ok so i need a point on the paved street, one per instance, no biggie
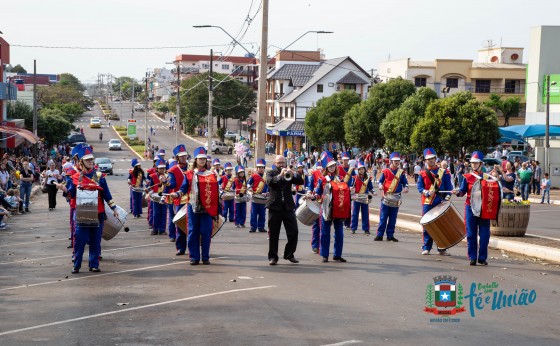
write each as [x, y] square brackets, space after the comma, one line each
[146, 295]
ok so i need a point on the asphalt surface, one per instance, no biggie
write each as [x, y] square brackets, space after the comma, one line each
[145, 295]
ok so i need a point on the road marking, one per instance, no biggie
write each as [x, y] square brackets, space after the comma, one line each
[98, 275]
[68, 255]
[133, 309]
[349, 342]
[540, 236]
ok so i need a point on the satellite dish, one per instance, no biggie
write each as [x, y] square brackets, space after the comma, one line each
[494, 59]
[514, 56]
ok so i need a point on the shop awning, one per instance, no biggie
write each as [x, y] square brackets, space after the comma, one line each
[286, 128]
[25, 134]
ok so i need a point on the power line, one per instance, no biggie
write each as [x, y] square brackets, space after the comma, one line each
[123, 48]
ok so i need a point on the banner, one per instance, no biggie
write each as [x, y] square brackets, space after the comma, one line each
[131, 128]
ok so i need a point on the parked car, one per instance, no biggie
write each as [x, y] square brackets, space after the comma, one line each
[220, 147]
[75, 138]
[115, 144]
[95, 123]
[104, 164]
[230, 135]
[139, 108]
[513, 157]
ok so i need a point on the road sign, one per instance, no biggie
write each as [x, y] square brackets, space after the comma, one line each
[131, 128]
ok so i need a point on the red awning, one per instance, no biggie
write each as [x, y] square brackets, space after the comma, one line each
[27, 135]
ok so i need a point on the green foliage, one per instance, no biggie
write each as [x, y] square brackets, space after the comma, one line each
[70, 111]
[59, 93]
[221, 132]
[508, 107]
[161, 106]
[325, 122]
[68, 79]
[124, 85]
[456, 124]
[460, 296]
[362, 124]
[21, 110]
[430, 296]
[17, 69]
[52, 126]
[399, 124]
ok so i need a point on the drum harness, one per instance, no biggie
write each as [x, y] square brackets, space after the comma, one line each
[95, 179]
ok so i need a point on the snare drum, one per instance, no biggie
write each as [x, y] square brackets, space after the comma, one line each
[308, 212]
[259, 199]
[391, 200]
[228, 196]
[155, 197]
[444, 224]
[238, 199]
[86, 208]
[361, 198]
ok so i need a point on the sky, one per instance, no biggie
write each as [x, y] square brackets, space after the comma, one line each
[369, 31]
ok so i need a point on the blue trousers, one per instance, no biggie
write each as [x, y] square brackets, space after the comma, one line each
[229, 209]
[356, 209]
[200, 233]
[130, 201]
[240, 213]
[136, 203]
[171, 229]
[387, 220]
[316, 234]
[159, 212]
[258, 216]
[181, 239]
[476, 227]
[91, 235]
[150, 213]
[25, 193]
[326, 236]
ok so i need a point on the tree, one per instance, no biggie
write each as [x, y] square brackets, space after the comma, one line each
[456, 124]
[325, 122]
[232, 99]
[68, 79]
[18, 69]
[122, 86]
[52, 125]
[508, 107]
[60, 93]
[362, 124]
[399, 124]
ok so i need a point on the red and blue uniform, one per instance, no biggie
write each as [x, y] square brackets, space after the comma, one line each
[343, 173]
[136, 181]
[258, 211]
[241, 207]
[357, 207]
[388, 214]
[150, 216]
[228, 206]
[159, 210]
[175, 180]
[312, 184]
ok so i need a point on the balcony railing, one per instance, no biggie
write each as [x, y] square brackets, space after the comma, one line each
[274, 96]
[488, 90]
[8, 91]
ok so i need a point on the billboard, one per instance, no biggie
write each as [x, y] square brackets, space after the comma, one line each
[554, 89]
[131, 128]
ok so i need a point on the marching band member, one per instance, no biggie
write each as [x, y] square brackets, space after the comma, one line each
[175, 178]
[258, 186]
[216, 168]
[339, 210]
[136, 178]
[281, 209]
[227, 181]
[240, 187]
[432, 180]
[309, 189]
[300, 189]
[361, 184]
[149, 172]
[69, 171]
[392, 182]
[346, 174]
[157, 181]
[88, 178]
[201, 186]
[475, 226]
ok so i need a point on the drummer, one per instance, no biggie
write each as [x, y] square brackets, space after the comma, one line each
[346, 173]
[88, 178]
[227, 181]
[337, 216]
[157, 181]
[240, 187]
[149, 172]
[362, 185]
[258, 186]
[69, 171]
[392, 182]
[216, 168]
[475, 226]
[203, 206]
[175, 177]
[300, 189]
[432, 180]
[136, 178]
[309, 189]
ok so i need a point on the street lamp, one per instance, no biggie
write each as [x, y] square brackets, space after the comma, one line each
[547, 130]
[263, 70]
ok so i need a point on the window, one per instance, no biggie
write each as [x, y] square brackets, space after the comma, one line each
[420, 82]
[510, 86]
[281, 88]
[225, 66]
[319, 88]
[350, 87]
[452, 83]
[205, 66]
[482, 86]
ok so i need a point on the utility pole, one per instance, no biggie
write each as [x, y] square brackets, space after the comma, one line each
[146, 114]
[132, 117]
[178, 104]
[35, 105]
[547, 133]
[210, 98]
[263, 71]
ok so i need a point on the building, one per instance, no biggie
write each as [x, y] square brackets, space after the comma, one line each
[164, 84]
[498, 70]
[300, 79]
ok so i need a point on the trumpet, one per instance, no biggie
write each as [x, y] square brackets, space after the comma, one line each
[289, 175]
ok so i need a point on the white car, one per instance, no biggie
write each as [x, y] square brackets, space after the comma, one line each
[220, 147]
[115, 144]
[230, 135]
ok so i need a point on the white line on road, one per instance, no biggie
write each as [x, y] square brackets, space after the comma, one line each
[67, 255]
[349, 342]
[97, 275]
[133, 309]
[541, 236]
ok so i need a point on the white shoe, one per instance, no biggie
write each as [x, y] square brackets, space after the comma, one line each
[444, 253]
[426, 252]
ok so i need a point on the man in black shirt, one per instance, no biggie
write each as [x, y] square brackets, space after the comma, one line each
[281, 208]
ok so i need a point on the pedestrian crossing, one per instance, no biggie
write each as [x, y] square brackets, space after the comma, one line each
[150, 120]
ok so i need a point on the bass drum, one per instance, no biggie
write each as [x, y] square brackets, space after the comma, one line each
[181, 218]
[113, 225]
[444, 224]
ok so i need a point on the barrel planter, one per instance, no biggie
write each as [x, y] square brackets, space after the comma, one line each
[512, 220]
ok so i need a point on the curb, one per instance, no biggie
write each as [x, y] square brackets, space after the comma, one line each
[531, 250]
[129, 147]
